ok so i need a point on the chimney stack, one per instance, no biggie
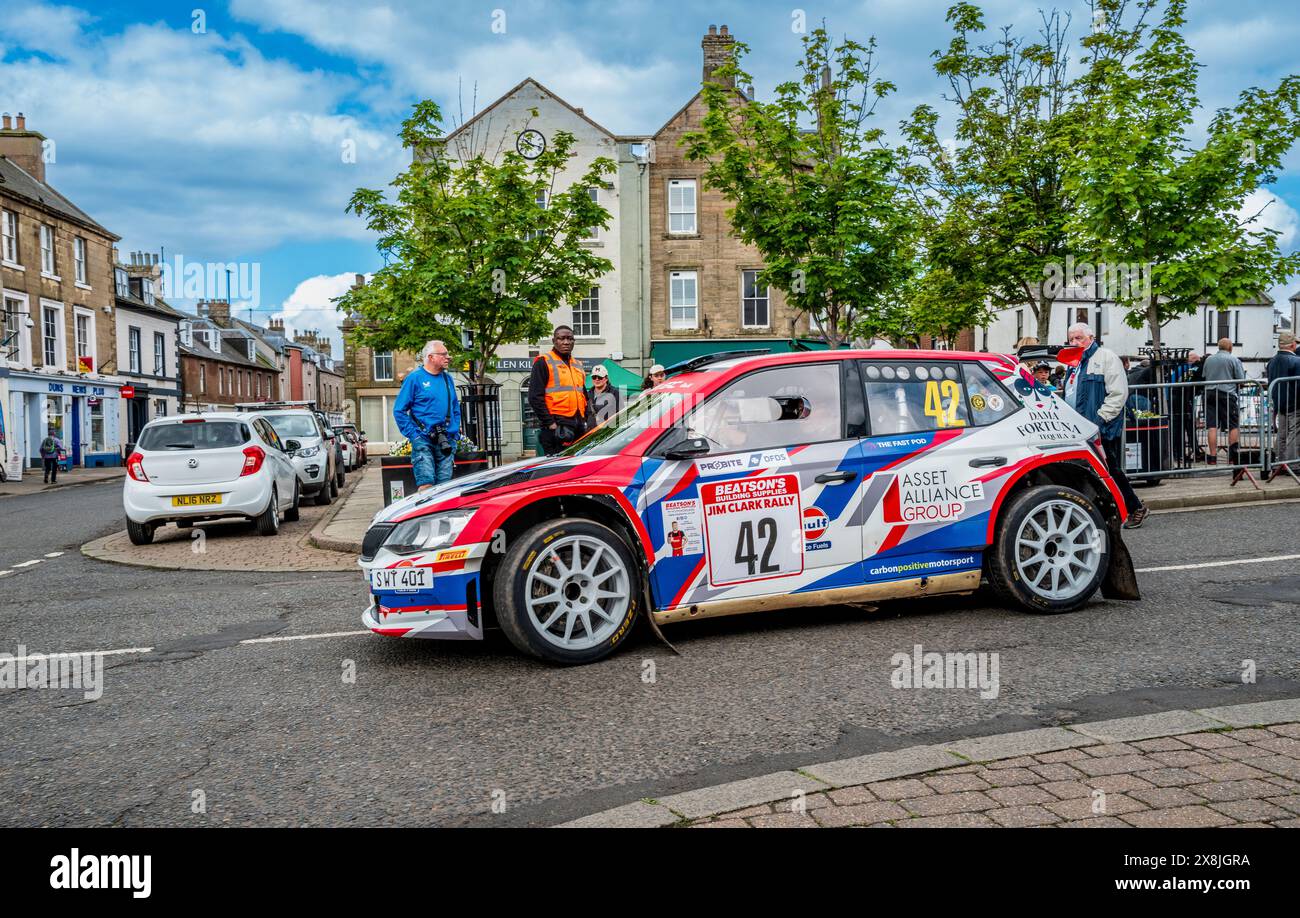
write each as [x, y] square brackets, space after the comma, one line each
[26, 149]
[216, 310]
[7, 120]
[717, 47]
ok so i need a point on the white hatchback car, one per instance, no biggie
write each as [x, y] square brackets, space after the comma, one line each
[195, 468]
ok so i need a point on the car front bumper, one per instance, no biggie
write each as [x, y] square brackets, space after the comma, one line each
[450, 609]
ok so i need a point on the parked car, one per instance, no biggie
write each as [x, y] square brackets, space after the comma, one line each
[313, 460]
[336, 448]
[747, 483]
[190, 469]
[358, 444]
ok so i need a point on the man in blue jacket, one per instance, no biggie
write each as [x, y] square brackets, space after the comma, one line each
[1098, 388]
[427, 412]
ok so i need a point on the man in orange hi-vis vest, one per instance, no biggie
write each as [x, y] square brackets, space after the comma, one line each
[557, 393]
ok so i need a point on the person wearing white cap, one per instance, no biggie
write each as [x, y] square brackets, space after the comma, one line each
[603, 400]
[654, 377]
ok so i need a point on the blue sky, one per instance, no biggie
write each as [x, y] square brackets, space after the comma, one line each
[221, 140]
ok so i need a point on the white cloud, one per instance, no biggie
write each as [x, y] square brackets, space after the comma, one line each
[199, 143]
[309, 307]
[1273, 213]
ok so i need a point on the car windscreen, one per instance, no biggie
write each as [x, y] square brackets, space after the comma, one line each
[194, 435]
[645, 411]
[293, 425]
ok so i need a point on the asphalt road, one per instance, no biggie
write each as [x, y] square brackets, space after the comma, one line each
[431, 733]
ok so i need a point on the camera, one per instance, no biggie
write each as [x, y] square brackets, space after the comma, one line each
[441, 445]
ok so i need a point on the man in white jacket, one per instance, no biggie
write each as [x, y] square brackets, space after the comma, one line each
[1097, 388]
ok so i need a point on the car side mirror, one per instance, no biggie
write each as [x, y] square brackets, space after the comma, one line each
[292, 446]
[689, 449]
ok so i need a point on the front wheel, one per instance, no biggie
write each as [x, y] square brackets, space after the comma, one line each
[1051, 550]
[567, 591]
[292, 515]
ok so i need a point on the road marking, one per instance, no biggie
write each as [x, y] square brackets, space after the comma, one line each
[5, 573]
[1190, 567]
[88, 653]
[53, 554]
[29, 563]
[302, 637]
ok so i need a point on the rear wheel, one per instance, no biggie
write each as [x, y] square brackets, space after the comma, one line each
[335, 484]
[1051, 550]
[139, 533]
[292, 515]
[567, 591]
[268, 521]
[339, 477]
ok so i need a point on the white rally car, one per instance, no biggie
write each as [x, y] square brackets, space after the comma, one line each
[759, 482]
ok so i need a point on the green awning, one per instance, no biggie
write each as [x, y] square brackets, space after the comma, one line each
[671, 352]
[620, 377]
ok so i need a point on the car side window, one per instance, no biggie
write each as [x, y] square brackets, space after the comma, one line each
[910, 396]
[771, 408]
[989, 400]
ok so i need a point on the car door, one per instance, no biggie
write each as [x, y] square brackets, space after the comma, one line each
[933, 465]
[280, 462]
[772, 506]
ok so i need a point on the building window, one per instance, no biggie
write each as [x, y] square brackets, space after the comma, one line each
[159, 354]
[593, 233]
[681, 206]
[376, 418]
[133, 347]
[15, 330]
[384, 366]
[146, 290]
[586, 315]
[79, 258]
[121, 282]
[9, 225]
[51, 332]
[160, 408]
[47, 250]
[81, 323]
[683, 300]
[1020, 324]
[54, 416]
[754, 301]
[203, 378]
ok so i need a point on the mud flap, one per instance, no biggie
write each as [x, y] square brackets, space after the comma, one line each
[1121, 579]
[650, 619]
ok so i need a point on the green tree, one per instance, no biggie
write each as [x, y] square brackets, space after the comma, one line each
[467, 247]
[814, 188]
[1147, 196]
[992, 198]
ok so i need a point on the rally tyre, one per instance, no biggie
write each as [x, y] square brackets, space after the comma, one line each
[567, 591]
[139, 533]
[268, 521]
[1051, 550]
[292, 515]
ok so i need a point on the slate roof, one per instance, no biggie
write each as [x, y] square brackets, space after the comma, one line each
[14, 180]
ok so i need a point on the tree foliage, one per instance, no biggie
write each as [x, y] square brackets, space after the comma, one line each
[814, 187]
[1146, 194]
[467, 246]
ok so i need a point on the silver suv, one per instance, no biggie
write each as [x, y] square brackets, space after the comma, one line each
[314, 458]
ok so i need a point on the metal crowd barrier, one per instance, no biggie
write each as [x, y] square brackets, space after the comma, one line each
[1282, 424]
[1167, 428]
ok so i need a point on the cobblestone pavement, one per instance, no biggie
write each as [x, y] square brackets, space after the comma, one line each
[1232, 778]
[233, 546]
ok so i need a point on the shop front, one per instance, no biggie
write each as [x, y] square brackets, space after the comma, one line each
[82, 413]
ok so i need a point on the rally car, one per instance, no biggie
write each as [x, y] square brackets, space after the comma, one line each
[746, 483]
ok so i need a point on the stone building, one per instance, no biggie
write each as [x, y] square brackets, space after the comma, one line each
[704, 292]
[58, 366]
[222, 362]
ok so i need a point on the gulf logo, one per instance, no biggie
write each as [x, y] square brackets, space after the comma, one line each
[815, 522]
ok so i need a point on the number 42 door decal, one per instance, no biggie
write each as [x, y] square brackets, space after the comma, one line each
[743, 519]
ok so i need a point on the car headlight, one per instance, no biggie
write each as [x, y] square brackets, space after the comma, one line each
[307, 452]
[427, 532]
